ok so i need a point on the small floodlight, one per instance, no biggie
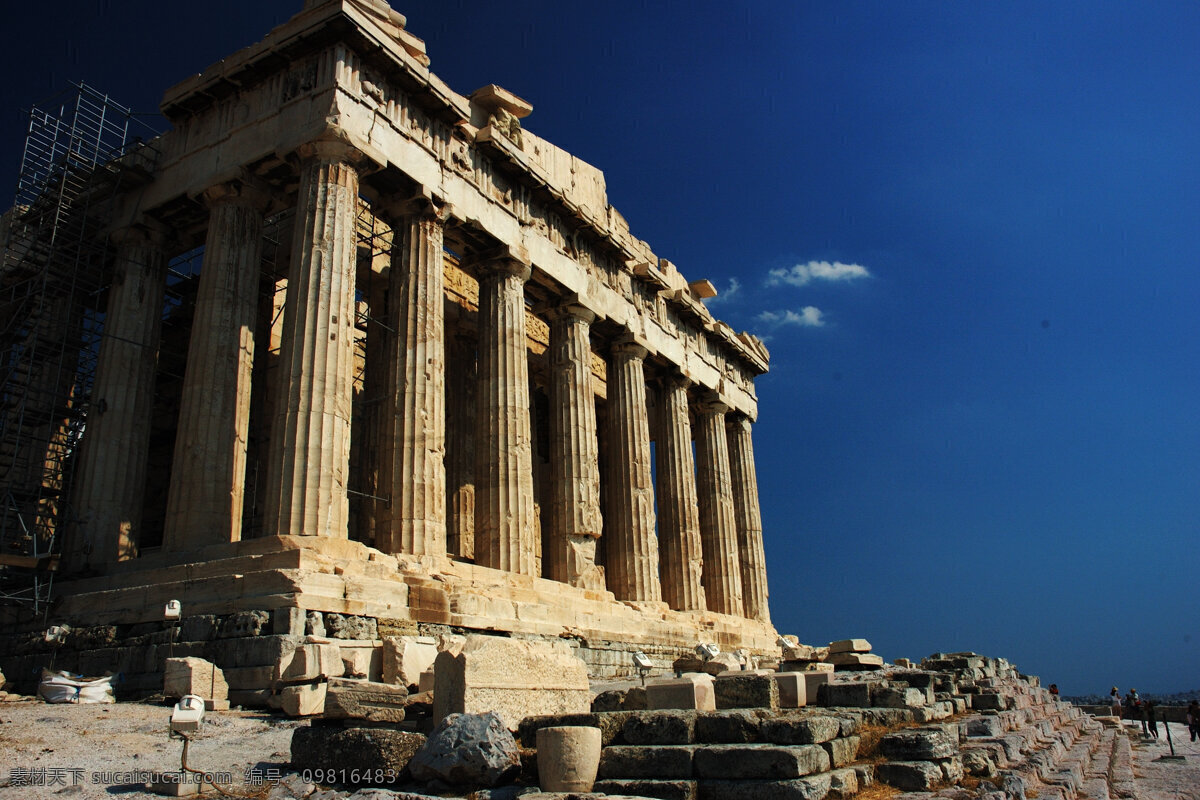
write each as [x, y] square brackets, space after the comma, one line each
[55, 634]
[187, 714]
[707, 650]
[783, 642]
[642, 661]
[172, 610]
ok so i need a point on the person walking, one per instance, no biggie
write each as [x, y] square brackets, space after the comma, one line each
[1151, 720]
[1193, 719]
[1114, 700]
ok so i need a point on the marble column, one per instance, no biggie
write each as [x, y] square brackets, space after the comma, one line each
[678, 509]
[112, 468]
[632, 559]
[309, 457]
[749, 518]
[460, 446]
[414, 468]
[575, 519]
[718, 523]
[504, 514]
[208, 474]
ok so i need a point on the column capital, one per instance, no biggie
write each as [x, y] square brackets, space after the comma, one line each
[243, 192]
[738, 420]
[504, 260]
[571, 308]
[422, 204]
[332, 150]
[629, 344]
[146, 232]
[673, 379]
[710, 402]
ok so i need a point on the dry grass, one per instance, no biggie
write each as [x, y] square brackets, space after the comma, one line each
[877, 791]
[868, 740]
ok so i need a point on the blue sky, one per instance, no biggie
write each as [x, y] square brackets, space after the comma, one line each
[990, 440]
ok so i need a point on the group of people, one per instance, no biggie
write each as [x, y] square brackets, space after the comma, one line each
[1143, 711]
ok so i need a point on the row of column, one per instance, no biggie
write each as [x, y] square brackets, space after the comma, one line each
[709, 523]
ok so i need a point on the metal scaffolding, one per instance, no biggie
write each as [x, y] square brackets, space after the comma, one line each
[81, 149]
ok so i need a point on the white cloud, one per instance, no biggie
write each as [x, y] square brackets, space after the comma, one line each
[802, 274]
[807, 317]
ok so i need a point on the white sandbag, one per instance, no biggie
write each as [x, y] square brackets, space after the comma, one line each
[65, 687]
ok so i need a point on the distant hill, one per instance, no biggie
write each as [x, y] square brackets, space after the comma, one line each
[1177, 699]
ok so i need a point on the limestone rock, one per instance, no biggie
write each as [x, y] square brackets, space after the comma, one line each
[728, 727]
[850, 646]
[244, 623]
[747, 691]
[760, 762]
[513, 678]
[378, 751]
[855, 660]
[304, 700]
[468, 750]
[911, 776]
[311, 662]
[406, 657]
[349, 626]
[917, 744]
[314, 625]
[192, 675]
[621, 761]
[842, 751]
[659, 727]
[800, 730]
[694, 690]
[365, 700]
[361, 659]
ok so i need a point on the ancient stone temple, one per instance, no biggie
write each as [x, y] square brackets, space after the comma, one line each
[430, 377]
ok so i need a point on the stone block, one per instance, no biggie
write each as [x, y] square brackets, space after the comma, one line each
[383, 753]
[794, 651]
[346, 698]
[361, 659]
[350, 626]
[812, 787]
[469, 750]
[406, 657]
[849, 646]
[759, 761]
[659, 727]
[194, 676]
[800, 730]
[288, 622]
[311, 662]
[917, 744]
[244, 623]
[911, 776]
[895, 697]
[989, 702]
[983, 726]
[646, 787]
[693, 691]
[250, 698]
[805, 666]
[425, 684]
[611, 725]
[842, 751]
[248, 651]
[847, 695]
[303, 700]
[843, 783]
[514, 678]
[622, 761]
[250, 678]
[728, 727]
[746, 691]
[855, 660]
[792, 688]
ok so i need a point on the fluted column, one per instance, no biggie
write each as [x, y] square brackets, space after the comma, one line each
[749, 518]
[208, 474]
[310, 436]
[504, 516]
[460, 445]
[718, 524]
[414, 467]
[632, 557]
[112, 468]
[678, 509]
[575, 520]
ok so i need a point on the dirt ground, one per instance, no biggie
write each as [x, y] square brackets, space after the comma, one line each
[101, 751]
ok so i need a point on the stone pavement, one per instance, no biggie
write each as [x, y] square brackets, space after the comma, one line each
[1166, 780]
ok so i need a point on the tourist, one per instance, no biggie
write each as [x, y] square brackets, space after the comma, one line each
[1150, 719]
[1115, 702]
[1054, 690]
[1134, 701]
[1193, 719]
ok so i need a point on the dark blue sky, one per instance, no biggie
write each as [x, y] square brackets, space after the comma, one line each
[990, 441]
